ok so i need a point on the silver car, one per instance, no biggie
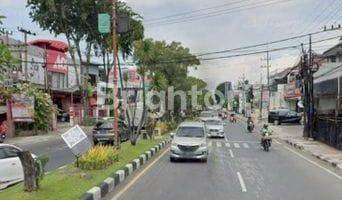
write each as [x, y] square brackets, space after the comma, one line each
[215, 127]
[189, 142]
[205, 115]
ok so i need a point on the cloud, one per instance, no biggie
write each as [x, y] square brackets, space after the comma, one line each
[11, 4]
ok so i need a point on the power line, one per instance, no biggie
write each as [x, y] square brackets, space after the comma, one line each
[318, 16]
[257, 45]
[295, 47]
[195, 11]
[219, 13]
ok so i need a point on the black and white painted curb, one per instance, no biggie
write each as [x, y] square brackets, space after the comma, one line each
[101, 190]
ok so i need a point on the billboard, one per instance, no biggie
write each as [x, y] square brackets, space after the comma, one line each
[22, 108]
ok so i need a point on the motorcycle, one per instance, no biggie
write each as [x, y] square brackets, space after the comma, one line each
[266, 141]
[2, 137]
[250, 127]
[232, 119]
[3, 130]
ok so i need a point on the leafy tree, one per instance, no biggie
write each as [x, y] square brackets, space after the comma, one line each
[6, 59]
[221, 88]
[77, 20]
[160, 58]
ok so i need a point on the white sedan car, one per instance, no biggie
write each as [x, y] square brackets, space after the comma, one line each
[11, 170]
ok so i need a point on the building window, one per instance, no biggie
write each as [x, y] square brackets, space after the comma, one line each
[58, 80]
[333, 59]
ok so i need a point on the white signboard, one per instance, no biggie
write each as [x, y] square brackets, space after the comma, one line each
[74, 136]
[76, 140]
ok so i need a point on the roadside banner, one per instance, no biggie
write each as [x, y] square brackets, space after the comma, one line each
[22, 108]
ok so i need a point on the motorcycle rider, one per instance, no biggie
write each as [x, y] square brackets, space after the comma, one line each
[250, 123]
[3, 131]
[264, 132]
[232, 118]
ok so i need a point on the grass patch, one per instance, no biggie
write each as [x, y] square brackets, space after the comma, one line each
[67, 183]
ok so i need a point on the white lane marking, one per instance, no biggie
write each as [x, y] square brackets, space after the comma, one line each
[314, 163]
[226, 138]
[218, 144]
[209, 144]
[227, 145]
[276, 141]
[245, 145]
[136, 178]
[236, 145]
[247, 141]
[242, 183]
[231, 153]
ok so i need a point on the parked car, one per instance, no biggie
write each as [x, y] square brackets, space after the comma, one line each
[63, 117]
[280, 116]
[215, 127]
[103, 132]
[205, 115]
[189, 142]
[11, 170]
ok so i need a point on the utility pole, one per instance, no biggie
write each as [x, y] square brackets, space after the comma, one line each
[305, 91]
[115, 89]
[6, 33]
[311, 89]
[261, 94]
[26, 32]
[268, 58]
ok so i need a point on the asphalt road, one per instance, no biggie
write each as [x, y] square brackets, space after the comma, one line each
[238, 169]
[55, 148]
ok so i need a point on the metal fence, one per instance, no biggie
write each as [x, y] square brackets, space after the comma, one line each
[329, 131]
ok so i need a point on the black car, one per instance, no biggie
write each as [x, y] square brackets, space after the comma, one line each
[280, 116]
[103, 132]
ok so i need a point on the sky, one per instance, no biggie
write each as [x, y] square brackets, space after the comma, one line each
[264, 21]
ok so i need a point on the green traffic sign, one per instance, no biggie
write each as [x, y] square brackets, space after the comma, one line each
[104, 23]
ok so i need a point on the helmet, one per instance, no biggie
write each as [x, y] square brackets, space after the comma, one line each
[265, 125]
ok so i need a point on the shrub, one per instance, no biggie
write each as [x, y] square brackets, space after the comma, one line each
[98, 157]
[163, 126]
[166, 127]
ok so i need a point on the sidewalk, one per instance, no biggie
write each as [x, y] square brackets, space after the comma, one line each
[50, 136]
[293, 135]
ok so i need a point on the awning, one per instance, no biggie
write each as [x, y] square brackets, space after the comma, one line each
[328, 73]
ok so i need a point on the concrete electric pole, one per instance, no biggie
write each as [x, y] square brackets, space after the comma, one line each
[268, 58]
[26, 32]
[115, 89]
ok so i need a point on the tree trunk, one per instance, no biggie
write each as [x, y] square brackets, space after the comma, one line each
[30, 171]
[136, 135]
[124, 96]
[73, 58]
[84, 97]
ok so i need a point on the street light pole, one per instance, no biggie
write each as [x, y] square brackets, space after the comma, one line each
[115, 89]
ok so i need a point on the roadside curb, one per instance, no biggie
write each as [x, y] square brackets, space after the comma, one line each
[101, 190]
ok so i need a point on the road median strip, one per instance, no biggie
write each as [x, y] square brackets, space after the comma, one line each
[109, 184]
